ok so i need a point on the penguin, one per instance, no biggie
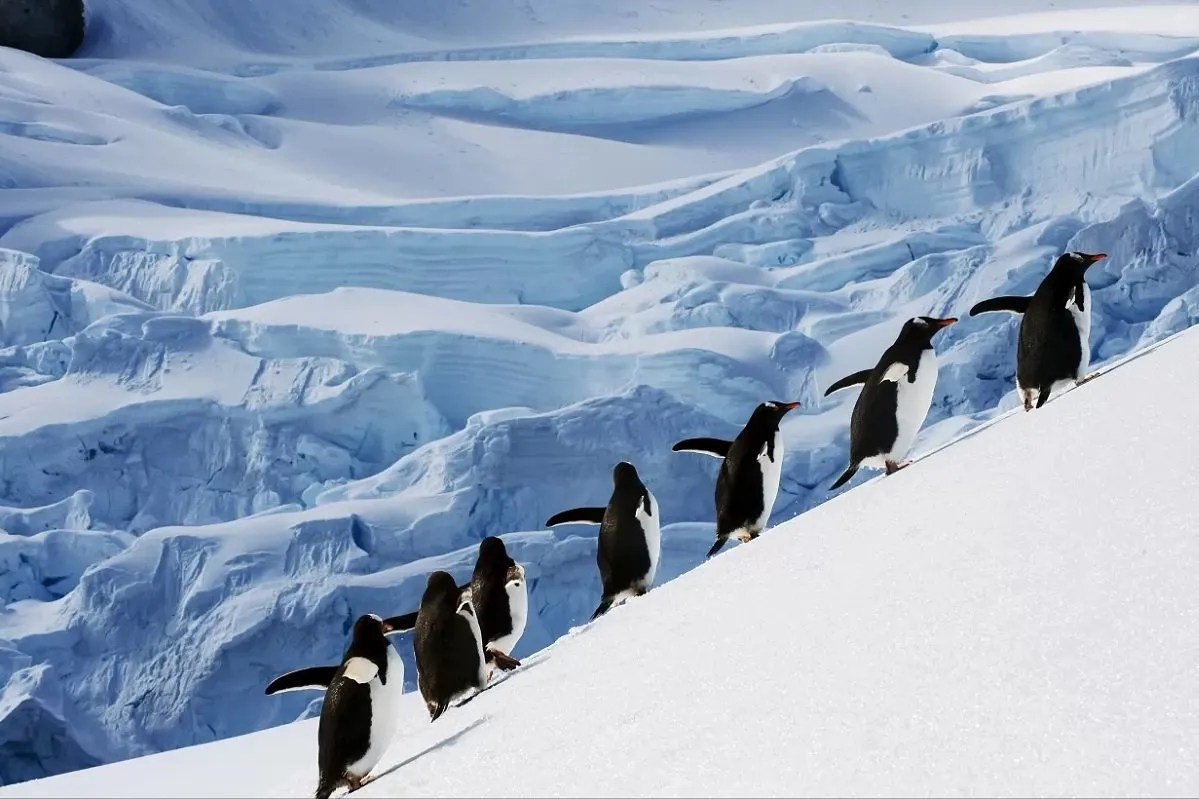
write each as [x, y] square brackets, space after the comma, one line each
[448, 645]
[896, 395]
[630, 538]
[358, 717]
[500, 594]
[751, 467]
[1054, 346]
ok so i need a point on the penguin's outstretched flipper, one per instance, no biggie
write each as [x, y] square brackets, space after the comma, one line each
[1017, 305]
[855, 379]
[400, 624]
[716, 447]
[314, 678]
[845, 477]
[577, 516]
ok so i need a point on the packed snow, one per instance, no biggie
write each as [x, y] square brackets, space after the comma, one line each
[296, 308]
[1013, 615]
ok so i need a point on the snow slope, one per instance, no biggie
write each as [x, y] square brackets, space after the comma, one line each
[295, 308]
[1013, 615]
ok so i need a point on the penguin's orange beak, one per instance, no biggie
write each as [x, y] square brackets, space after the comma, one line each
[1099, 256]
[789, 406]
[946, 322]
[387, 628]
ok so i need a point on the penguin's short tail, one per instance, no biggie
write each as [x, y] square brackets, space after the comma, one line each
[719, 545]
[326, 785]
[845, 477]
[604, 607]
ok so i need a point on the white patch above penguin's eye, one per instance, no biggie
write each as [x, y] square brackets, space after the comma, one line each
[895, 372]
[361, 670]
[375, 616]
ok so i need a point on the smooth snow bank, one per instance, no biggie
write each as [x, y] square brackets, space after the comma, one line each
[1015, 614]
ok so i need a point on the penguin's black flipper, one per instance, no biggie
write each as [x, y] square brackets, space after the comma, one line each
[1010, 304]
[857, 378]
[399, 624]
[716, 447]
[315, 678]
[845, 477]
[577, 516]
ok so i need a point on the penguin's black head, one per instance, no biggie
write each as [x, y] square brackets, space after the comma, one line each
[1077, 263]
[440, 587]
[493, 554]
[921, 329]
[368, 628]
[492, 547]
[624, 473]
[767, 415]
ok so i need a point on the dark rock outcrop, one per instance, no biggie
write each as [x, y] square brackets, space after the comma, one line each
[49, 28]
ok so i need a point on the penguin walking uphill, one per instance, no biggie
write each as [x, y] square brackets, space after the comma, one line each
[748, 483]
[448, 645]
[358, 717]
[1054, 347]
[896, 395]
[630, 539]
[500, 595]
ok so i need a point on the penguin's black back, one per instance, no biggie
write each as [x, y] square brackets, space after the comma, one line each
[1049, 348]
[873, 425]
[622, 553]
[487, 589]
[739, 485]
[447, 656]
[344, 729]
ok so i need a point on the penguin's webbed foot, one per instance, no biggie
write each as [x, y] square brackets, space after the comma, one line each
[1086, 379]
[502, 661]
[892, 467]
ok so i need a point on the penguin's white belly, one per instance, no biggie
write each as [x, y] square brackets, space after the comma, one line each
[1082, 321]
[384, 714]
[518, 607]
[651, 528]
[772, 472]
[912, 401]
[477, 632]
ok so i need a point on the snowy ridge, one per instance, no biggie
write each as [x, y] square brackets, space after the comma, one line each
[1041, 677]
[289, 322]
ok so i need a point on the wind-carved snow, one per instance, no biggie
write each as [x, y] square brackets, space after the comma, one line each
[324, 313]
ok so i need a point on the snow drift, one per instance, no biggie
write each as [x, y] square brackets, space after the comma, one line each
[1012, 615]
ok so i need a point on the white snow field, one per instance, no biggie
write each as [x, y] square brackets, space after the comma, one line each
[1012, 615]
[300, 299]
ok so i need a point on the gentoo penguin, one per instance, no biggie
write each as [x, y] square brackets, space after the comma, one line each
[630, 539]
[895, 398]
[1054, 346]
[358, 717]
[448, 645]
[748, 482]
[501, 599]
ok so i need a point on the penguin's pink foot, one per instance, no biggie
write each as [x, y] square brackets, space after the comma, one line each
[892, 467]
[1086, 379]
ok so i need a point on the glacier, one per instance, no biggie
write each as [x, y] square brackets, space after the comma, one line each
[295, 315]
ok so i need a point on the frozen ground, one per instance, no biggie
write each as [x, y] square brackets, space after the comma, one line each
[940, 632]
[295, 308]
